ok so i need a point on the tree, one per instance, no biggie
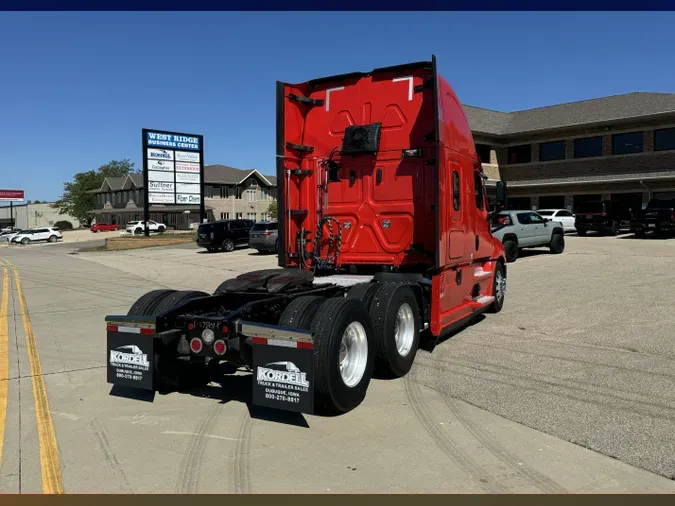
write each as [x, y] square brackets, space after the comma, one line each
[273, 209]
[76, 199]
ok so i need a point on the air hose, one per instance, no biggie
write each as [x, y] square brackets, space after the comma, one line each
[334, 242]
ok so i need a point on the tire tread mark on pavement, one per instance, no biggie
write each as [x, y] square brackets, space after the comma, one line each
[442, 441]
[191, 464]
[102, 436]
[488, 441]
[240, 470]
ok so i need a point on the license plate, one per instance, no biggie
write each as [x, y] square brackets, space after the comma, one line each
[254, 235]
[651, 225]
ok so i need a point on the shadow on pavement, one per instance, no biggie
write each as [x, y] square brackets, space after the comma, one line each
[132, 393]
[428, 342]
[651, 236]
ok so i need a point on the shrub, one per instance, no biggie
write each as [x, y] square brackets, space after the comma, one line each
[64, 225]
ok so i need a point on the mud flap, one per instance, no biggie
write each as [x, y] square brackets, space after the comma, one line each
[130, 355]
[283, 368]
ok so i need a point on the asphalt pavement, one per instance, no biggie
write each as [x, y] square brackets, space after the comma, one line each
[569, 388]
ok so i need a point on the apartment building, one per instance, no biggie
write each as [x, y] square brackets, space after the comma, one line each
[228, 193]
[620, 147]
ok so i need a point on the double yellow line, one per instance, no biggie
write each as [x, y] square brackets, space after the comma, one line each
[52, 480]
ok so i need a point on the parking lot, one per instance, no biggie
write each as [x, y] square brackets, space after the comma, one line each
[570, 388]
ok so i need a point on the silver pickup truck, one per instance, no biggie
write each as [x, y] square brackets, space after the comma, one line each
[526, 229]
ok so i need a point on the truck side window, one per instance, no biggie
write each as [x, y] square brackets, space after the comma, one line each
[455, 190]
[478, 189]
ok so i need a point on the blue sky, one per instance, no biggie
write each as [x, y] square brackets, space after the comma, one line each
[76, 88]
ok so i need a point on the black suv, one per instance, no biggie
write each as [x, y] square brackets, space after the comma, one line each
[223, 234]
[605, 216]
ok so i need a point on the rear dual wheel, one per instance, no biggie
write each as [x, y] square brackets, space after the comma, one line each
[343, 348]
[170, 372]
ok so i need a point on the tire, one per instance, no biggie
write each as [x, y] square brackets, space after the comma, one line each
[511, 251]
[25, 241]
[228, 245]
[332, 393]
[276, 246]
[581, 232]
[161, 229]
[364, 292]
[393, 359]
[138, 231]
[52, 238]
[557, 244]
[147, 303]
[211, 250]
[300, 313]
[615, 228]
[176, 299]
[498, 292]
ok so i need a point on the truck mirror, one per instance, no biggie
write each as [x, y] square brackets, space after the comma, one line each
[501, 193]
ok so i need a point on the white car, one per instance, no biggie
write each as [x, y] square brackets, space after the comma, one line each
[138, 227]
[48, 234]
[562, 215]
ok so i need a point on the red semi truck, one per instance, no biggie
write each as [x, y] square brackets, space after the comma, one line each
[384, 240]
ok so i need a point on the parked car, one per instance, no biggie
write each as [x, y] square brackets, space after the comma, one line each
[223, 234]
[526, 229]
[604, 216]
[7, 234]
[264, 236]
[138, 227]
[49, 234]
[562, 215]
[658, 216]
[104, 227]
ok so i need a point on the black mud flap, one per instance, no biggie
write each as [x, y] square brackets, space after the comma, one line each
[283, 367]
[130, 353]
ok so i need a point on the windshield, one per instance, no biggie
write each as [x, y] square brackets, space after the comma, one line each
[591, 207]
[204, 228]
[265, 226]
[132, 223]
[546, 213]
[660, 204]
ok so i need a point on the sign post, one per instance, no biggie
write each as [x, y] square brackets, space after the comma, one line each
[11, 196]
[173, 171]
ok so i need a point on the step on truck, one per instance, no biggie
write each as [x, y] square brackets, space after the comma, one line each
[384, 241]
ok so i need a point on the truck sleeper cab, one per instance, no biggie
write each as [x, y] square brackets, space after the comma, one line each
[384, 239]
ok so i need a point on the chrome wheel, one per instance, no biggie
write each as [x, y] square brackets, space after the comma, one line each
[404, 329]
[353, 356]
[500, 286]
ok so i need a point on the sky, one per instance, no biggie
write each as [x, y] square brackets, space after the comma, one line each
[77, 88]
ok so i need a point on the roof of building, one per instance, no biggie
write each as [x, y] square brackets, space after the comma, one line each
[595, 178]
[585, 112]
[213, 174]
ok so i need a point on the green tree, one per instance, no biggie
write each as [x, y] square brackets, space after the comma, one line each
[273, 209]
[76, 199]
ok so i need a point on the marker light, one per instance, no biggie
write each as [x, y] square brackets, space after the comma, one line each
[196, 345]
[219, 347]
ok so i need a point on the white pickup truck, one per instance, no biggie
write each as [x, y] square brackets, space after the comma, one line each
[138, 227]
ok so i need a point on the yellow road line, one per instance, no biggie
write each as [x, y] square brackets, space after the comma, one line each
[4, 355]
[52, 481]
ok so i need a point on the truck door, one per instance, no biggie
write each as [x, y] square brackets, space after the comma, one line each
[525, 228]
[541, 228]
[482, 243]
[459, 244]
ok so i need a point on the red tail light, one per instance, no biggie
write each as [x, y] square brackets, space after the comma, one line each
[267, 233]
[225, 330]
[604, 214]
[219, 347]
[196, 345]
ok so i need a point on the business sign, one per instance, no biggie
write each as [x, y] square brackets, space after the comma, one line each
[11, 195]
[174, 169]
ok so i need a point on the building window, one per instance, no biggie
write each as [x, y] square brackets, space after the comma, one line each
[520, 154]
[224, 193]
[251, 194]
[224, 216]
[251, 216]
[238, 191]
[483, 152]
[239, 216]
[587, 147]
[664, 139]
[624, 144]
[208, 191]
[265, 216]
[551, 151]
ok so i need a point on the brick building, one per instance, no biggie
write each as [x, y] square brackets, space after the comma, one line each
[228, 193]
[620, 147]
